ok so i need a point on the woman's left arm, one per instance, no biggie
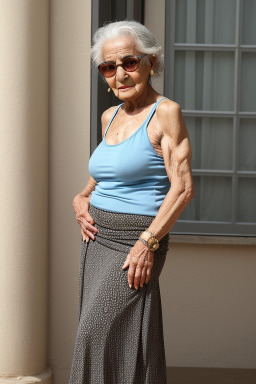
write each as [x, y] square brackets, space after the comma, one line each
[176, 152]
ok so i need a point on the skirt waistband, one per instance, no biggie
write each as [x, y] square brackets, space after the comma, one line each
[120, 221]
[122, 228]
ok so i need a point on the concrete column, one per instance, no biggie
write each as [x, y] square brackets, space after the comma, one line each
[24, 49]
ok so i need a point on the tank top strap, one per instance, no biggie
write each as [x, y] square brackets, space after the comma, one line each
[153, 111]
[112, 118]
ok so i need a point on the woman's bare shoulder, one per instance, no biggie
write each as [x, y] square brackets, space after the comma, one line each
[106, 117]
[170, 119]
[167, 108]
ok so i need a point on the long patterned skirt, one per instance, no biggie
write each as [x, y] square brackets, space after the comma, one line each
[120, 331]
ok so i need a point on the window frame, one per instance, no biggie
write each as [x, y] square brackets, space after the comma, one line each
[220, 228]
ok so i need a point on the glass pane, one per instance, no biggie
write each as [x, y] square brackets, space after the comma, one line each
[212, 201]
[211, 142]
[246, 200]
[248, 82]
[205, 21]
[204, 80]
[249, 24]
[247, 140]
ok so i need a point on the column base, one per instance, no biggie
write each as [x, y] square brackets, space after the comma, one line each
[42, 378]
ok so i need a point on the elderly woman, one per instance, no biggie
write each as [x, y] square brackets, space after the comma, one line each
[140, 181]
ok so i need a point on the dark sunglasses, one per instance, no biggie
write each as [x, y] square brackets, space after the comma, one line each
[130, 64]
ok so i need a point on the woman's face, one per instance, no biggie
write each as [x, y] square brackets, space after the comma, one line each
[127, 85]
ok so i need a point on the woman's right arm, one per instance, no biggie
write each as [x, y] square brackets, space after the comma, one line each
[81, 208]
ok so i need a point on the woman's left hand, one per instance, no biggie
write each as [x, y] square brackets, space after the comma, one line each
[140, 261]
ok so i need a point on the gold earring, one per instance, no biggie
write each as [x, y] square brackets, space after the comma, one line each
[109, 89]
[151, 72]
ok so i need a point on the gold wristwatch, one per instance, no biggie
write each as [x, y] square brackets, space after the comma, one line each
[148, 238]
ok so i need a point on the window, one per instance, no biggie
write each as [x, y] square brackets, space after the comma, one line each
[210, 70]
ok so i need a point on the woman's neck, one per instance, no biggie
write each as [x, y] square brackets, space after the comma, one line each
[148, 97]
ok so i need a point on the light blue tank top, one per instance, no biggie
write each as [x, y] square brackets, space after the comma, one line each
[131, 176]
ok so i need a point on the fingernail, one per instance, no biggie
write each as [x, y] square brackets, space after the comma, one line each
[130, 285]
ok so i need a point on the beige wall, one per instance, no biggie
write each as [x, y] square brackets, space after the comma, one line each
[208, 291]
[208, 297]
[69, 121]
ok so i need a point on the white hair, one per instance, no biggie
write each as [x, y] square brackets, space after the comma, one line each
[145, 40]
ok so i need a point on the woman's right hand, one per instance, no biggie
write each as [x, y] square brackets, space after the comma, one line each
[83, 218]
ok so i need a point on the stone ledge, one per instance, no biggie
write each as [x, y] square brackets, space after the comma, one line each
[187, 375]
[204, 239]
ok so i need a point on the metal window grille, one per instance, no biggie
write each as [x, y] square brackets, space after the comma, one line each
[235, 226]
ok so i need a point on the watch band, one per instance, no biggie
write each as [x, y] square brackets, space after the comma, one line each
[143, 241]
[151, 233]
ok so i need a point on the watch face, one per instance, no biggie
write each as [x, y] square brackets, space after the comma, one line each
[153, 243]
